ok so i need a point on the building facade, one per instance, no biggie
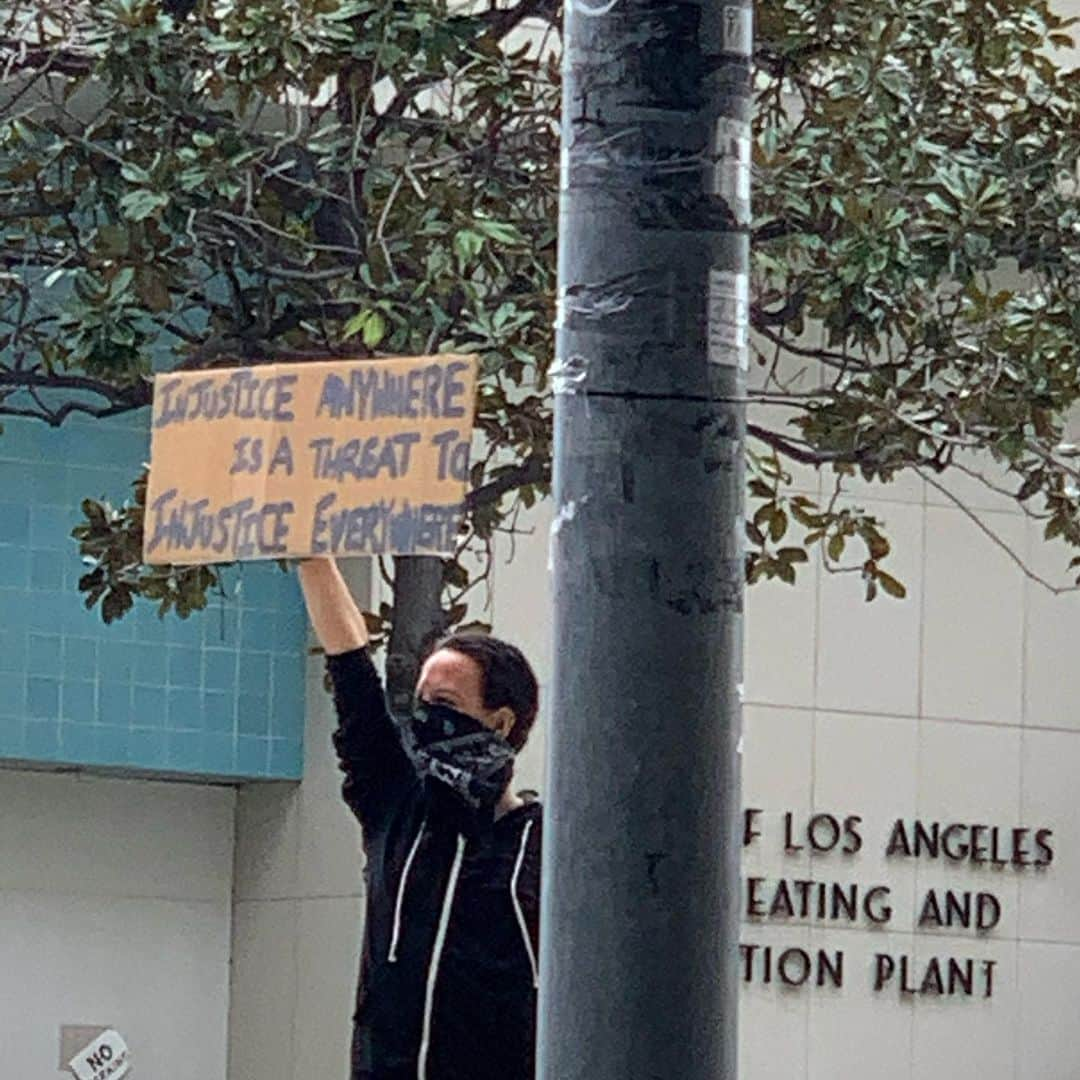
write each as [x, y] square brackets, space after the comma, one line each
[175, 860]
[910, 893]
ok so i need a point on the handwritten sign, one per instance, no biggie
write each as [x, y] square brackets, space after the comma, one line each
[340, 457]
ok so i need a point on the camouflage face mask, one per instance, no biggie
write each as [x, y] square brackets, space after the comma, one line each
[461, 752]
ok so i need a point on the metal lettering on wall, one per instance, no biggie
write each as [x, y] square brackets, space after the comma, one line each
[976, 911]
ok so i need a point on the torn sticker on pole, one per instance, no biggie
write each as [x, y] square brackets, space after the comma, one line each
[729, 315]
[731, 171]
[567, 513]
[736, 30]
[568, 375]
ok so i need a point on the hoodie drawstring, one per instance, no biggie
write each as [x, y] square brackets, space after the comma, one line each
[517, 904]
[396, 934]
[436, 956]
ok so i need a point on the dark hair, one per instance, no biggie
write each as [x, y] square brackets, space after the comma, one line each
[508, 680]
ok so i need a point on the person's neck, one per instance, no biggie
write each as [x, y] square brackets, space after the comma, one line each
[507, 801]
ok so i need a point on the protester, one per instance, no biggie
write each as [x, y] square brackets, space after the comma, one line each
[448, 973]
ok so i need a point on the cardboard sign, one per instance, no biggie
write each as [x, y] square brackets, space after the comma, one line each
[106, 1058]
[339, 457]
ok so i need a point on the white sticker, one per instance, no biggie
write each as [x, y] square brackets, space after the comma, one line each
[729, 315]
[737, 30]
[106, 1058]
[731, 171]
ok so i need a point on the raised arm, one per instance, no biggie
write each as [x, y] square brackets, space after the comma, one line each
[377, 769]
[338, 624]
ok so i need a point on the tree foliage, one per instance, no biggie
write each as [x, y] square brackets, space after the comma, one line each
[915, 294]
[188, 185]
[191, 184]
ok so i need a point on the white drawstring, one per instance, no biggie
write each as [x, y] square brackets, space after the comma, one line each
[436, 955]
[517, 906]
[392, 955]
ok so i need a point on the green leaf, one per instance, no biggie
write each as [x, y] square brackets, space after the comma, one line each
[153, 290]
[374, 329]
[139, 205]
[95, 512]
[134, 174]
[891, 585]
[877, 545]
[467, 245]
[355, 325]
[792, 555]
[91, 580]
[455, 575]
[755, 535]
[115, 240]
[117, 602]
[501, 232]
[121, 283]
[778, 522]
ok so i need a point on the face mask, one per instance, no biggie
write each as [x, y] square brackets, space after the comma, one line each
[460, 752]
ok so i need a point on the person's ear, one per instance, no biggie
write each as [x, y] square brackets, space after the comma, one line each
[503, 721]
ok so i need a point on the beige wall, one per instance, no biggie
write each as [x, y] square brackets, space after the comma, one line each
[298, 907]
[298, 894]
[955, 704]
[114, 910]
[958, 703]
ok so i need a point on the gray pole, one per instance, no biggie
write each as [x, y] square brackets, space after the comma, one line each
[639, 900]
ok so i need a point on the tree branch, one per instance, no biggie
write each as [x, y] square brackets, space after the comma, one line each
[502, 20]
[801, 454]
[533, 470]
[120, 399]
[499, 23]
[789, 310]
[989, 533]
[17, 56]
[826, 356]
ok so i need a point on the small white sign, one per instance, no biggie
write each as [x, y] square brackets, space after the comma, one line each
[729, 315]
[106, 1058]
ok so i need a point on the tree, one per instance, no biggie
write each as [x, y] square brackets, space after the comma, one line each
[188, 184]
[917, 240]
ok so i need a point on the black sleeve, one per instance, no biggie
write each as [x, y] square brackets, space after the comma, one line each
[377, 770]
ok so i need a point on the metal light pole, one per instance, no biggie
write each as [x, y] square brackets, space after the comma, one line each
[639, 920]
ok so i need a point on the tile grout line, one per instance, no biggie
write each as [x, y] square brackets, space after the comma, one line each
[920, 706]
[1021, 757]
[878, 715]
[814, 688]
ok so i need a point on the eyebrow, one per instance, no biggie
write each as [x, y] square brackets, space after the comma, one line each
[436, 696]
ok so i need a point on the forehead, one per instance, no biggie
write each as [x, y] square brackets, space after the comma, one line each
[447, 670]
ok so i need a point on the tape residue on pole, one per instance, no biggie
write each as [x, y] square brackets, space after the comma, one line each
[567, 512]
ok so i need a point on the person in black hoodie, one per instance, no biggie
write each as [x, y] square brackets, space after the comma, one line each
[448, 971]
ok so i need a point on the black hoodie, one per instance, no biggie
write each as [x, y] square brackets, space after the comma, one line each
[448, 972]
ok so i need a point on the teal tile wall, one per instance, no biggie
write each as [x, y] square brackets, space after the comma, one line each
[220, 694]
